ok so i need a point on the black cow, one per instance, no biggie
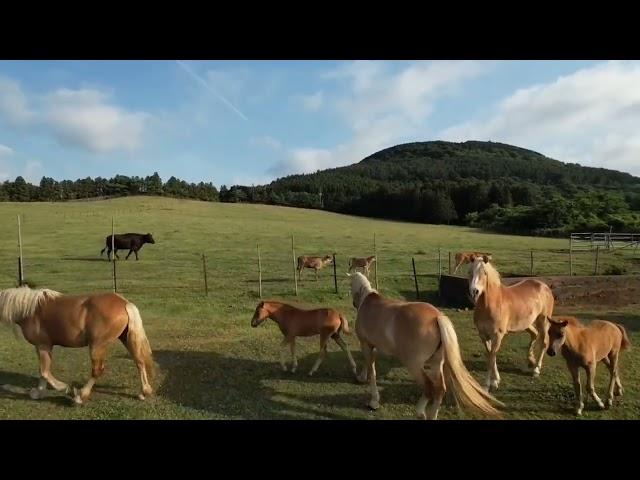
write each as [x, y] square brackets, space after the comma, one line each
[132, 241]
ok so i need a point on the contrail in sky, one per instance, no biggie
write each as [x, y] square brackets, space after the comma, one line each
[206, 85]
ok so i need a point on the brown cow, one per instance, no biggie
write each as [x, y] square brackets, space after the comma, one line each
[316, 263]
[361, 262]
[463, 258]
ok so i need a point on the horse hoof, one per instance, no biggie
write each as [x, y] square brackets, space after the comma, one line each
[311, 373]
[373, 405]
[495, 384]
[536, 372]
[609, 403]
[34, 394]
[421, 416]
[579, 412]
[601, 406]
[141, 396]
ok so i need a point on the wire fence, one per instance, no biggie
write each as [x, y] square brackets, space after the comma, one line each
[208, 272]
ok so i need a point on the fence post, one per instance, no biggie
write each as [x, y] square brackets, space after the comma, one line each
[20, 264]
[449, 262]
[439, 269]
[375, 265]
[335, 274]
[415, 278]
[293, 254]
[597, 252]
[259, 272]
[113, 256]
[531, 269]
[204, 269]
[20, 280]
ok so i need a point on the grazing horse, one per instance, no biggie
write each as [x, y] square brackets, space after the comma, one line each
[585, 346]
[526, 305]
[361, 262]
[424, 340]
[48, 318]
[316, 263]
[133, 241]
[463, 258]
[295, 322]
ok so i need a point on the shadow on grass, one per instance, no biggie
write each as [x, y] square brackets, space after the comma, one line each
[235, 387]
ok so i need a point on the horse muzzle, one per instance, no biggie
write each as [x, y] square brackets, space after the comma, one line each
[551, 352]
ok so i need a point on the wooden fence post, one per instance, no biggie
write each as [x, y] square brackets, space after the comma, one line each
[259, 272]
[204, 269]
[335, 274]
[293, 254]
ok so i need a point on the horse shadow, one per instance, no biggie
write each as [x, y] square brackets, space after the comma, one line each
[235, 387]
[480, 366]
[16, 386]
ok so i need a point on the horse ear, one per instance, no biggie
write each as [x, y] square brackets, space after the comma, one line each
[472, 258]
[564, 323]
[486, 258]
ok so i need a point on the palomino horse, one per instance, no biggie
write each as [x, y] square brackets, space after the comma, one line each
[500, 310]
[425, 342]
[361, 262]
[463, 258]
[48, 318]
[586, 346]
[295, 322]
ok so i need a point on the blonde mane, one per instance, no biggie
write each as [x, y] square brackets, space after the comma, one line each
[16, 304]
[360, 287]
[493, 276]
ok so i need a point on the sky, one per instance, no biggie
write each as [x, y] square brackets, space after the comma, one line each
[249, 122]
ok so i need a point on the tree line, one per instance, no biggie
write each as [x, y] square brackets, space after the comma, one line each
[50, 190]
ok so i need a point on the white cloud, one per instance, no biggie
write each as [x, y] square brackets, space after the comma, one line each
[589, 117]
[312, 102]
[5, 151]
[13, 104]
[82, 118]
[381, 108]
[266, 141]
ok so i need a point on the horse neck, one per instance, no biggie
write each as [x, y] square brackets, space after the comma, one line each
[276, 310]
[491, 298]
[574, 332]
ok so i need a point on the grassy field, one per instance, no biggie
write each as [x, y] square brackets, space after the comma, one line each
[212, 364]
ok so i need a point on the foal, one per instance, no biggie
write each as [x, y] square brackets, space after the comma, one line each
[585, 346]
[295, 322]
[361, 262]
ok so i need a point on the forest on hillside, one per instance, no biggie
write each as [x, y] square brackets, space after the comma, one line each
[488, 185]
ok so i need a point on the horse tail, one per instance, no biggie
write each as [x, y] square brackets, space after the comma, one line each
[466, 390]
[344, 324]
[626, 343]
[137, 339]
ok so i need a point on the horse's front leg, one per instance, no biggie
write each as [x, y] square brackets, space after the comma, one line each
[542, 342]
[44, 355]
[128, 254]
[368, 351]
[493, 377]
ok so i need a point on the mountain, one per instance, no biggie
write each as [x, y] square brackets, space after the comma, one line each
[485, 184]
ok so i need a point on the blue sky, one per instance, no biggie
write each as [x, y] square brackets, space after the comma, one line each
[251, 121]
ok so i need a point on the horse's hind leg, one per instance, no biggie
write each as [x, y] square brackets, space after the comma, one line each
[612, 363]
[435, 377]
[98, 355]
[294, 359]
[345, 348]
[323, 353]
[44, 354]
[531, 330]
[140, 363]
[128, 254]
